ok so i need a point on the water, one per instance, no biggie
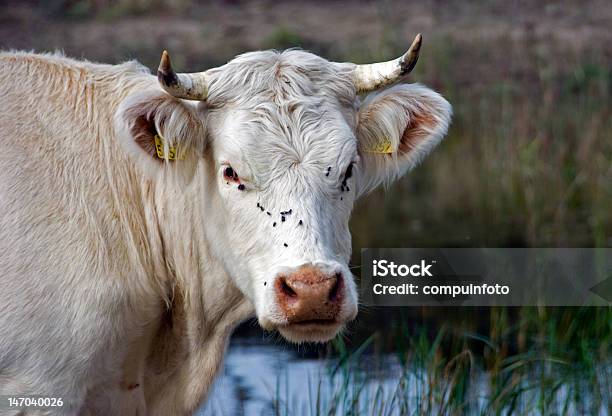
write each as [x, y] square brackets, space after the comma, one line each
[256, 375]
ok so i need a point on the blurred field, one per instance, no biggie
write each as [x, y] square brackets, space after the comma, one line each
[528, 162]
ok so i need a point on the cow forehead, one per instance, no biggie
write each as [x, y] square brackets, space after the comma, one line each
[277, 77]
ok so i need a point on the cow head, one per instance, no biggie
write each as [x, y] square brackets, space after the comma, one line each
[282, 145]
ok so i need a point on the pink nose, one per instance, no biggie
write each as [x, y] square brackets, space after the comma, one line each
[309, 295]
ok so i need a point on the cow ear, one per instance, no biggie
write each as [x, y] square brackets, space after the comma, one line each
[396, 129]
[160, 132]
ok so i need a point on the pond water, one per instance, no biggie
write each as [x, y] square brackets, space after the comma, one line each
[269, 379]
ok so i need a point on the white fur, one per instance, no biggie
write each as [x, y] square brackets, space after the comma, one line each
[123, 276]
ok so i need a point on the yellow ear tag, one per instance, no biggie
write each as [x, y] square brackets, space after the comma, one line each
[383, 146]
[173, 154]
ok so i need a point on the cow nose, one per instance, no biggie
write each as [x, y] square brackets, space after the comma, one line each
[309, 295]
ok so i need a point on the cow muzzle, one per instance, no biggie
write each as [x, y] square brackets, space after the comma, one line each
[315, 303]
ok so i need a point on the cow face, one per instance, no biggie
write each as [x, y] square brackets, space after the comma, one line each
[287, 147]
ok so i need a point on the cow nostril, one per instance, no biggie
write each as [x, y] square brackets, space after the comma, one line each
[286, 289]
[335, 290]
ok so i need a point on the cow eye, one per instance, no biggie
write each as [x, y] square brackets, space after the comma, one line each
[229, 174]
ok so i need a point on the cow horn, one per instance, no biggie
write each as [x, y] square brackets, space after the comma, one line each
[373, 76]
[189, 86]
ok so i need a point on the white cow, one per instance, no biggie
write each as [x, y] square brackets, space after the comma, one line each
[142, 219]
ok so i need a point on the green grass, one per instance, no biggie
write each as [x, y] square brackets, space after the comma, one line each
[540, 362]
